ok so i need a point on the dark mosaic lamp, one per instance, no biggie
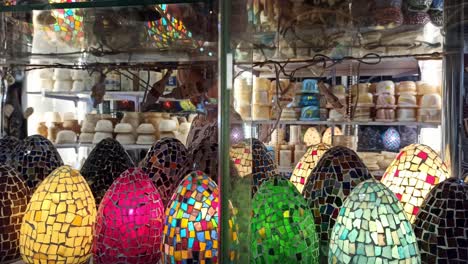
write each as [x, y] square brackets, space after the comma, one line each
[58, 225]
[307, 163]
[441, 227]
[130, 221]
[282, 225]
[7, 147]
[191, 224]
[205, 158]
[103, 165]
[166, 164]
[35, 158]
[13, 202]
[372, 228]
[413, 173]
[337, 173]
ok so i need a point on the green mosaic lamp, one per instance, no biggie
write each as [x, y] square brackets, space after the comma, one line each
[372, 227]
[282, 225]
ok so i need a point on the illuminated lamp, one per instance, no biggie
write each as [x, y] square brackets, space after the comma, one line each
[34, 159]
[307, 163]
[59, 220]
[191, 226]
[312, 137]
[130, 221]
[336, 174]
[204, 157]
[282, 225]
[166, 163]
[441, 226]
[13, 202]
[237, 134]
[372, 228]
[412, 175]
[327, 135]
[391, 139]
[7, 148]
[103, 165]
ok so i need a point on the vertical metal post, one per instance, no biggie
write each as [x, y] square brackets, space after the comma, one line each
[453, 80]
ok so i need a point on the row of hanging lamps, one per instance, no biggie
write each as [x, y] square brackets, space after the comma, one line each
[306, 164]
[282, 226]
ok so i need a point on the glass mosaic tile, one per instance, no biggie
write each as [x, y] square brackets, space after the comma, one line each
[35, 158]
[327, 135]
[166, 164]
[205, 158]
[7, 146]
[307, 163]
[130, 221]
[282, 227]
[13, 202]
[337, 173]
[441, 226]
[191, 224]
[372, 228]
[59, 221]
[312, 137]
[104, 164]
[413, 173]
[391, 139]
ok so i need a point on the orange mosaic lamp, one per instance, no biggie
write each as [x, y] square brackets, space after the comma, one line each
[307, 163]
[413, 174]
[59, 220]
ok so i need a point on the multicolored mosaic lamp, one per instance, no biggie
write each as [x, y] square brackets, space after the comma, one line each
[282, 225]
[307, 163]
[372, 228]
[204, 157]
[7, 147]
[412, 175]
[103, 165]
[13, 202]
[166, 163]
[59, 220]
[35, 158]
[130, 221]
[337, 173]
[441, 227]
[191, 226]
[391, 139]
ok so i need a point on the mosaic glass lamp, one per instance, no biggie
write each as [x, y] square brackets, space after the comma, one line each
[282, 226]
[204, 157]
[441, 227]
[391, 139]
[130, 221]
[412, 175]
[372, 228]
[166, 164]
[59, 220]
[13, 202]
[312, 137]
[7, 147]
[35, 158]
[307, 163]
[337, 173]
[103, 165]
[327, 135]
[191, 225]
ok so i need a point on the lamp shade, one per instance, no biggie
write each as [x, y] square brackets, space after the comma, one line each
[307, 163]
[7, 147]
[130, 221]
[372, 228]
[327, 135]
[13, 202]
[59, 220]
[191, 226]
[103, 165]
[282, 227]
[337, 173]
[312, 137]
[204, 157]
[201, 129]
[413, 173]
[166, 164]
[35, 158]
[391, 139]
[441, 225]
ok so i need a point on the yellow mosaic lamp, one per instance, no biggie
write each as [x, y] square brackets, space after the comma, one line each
[312, 137]
[59, 220]
[307, 163]
[327, 135]
[413, 174]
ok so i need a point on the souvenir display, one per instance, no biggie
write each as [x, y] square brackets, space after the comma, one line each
[307, 163]
[391, 139]
[282, 225]
[104, 164]
[59, 221]
[372, 228]
[129, 223]
[413, 173]
[308, 99]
